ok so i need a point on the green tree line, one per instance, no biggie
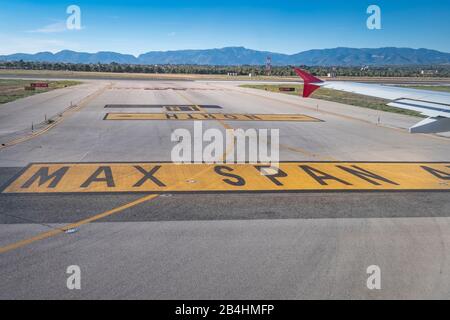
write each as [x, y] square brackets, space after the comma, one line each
[388, 71]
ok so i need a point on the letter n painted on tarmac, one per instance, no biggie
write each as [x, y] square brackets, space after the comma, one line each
[108, 177]
[43, 175]
[312, 172]
[239, 180]
[438, 173]
[366, 175]
[148, 175]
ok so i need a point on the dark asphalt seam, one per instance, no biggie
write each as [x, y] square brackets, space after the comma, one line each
[32, 221]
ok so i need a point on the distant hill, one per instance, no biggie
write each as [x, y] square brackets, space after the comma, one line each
[73, 57]
[244, 56]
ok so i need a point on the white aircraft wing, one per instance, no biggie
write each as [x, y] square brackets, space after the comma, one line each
[434, 105]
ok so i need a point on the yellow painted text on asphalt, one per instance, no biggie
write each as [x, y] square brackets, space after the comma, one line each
[210, 116]
[169, 177]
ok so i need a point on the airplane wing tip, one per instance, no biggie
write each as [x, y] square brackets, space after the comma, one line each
[431, 125]
[310, 82]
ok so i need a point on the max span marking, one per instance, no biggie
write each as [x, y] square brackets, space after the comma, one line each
[161, 177]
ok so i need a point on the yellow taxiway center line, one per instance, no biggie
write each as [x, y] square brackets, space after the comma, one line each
[55, 232]
[225, 125]
[307, 153]
[287, 147]
[294, 149]
[58, 231]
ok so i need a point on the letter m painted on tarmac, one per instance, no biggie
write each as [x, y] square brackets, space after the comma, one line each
[42, 176]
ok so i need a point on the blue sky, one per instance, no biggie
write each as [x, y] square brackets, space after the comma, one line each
[137, 26]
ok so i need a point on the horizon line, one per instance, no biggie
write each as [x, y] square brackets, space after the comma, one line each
[221, 48]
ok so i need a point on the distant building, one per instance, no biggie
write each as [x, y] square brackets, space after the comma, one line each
[331, 75]
[428, 72]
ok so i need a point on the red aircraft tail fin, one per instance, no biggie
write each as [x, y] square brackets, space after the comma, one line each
[309, 82]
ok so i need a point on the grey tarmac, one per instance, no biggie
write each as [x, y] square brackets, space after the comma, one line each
[214, 246]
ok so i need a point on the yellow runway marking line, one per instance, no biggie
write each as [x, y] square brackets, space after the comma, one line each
[210, 116]
[55, 232]
[168, 177]
[301, 150]
[292, 149]
[65, 113]
[314, 156]
[94, 218]
[199, 108]
[230, 146]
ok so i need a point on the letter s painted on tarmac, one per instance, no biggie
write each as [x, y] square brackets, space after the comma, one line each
[239, 180]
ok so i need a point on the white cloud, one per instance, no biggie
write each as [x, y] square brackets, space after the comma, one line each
[51, 28]
[33, 45]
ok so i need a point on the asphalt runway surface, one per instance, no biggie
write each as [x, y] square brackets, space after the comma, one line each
[214, 245]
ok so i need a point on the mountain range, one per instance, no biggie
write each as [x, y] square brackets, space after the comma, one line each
[243, 56]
